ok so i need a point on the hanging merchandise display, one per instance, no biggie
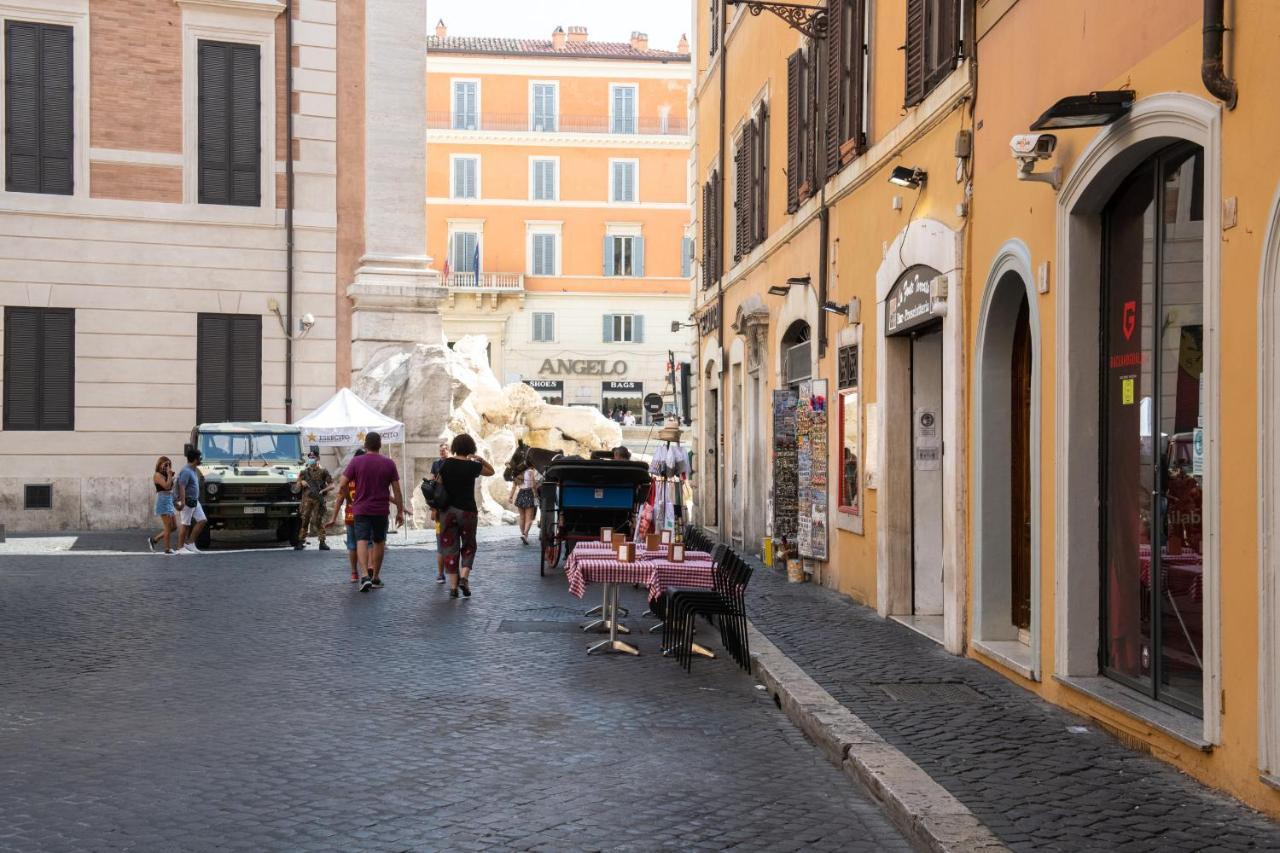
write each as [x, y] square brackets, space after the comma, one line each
[785, 483]
[664, 510]
[812, 469]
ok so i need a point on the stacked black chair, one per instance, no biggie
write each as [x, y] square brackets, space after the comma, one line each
[725, 604]
[695, 539]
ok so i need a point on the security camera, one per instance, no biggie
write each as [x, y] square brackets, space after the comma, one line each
[1027, 148]
[305, 322]
[1033, 146]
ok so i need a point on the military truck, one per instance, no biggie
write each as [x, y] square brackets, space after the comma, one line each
[249, 478]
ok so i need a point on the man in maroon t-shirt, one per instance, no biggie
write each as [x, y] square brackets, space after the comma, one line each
[377, 487]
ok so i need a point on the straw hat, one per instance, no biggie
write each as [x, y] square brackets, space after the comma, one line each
[670, 431]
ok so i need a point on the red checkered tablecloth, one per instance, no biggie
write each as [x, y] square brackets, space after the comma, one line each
[696, 572]
[582, 569]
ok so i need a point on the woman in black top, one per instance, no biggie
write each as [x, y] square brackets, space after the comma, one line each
[458, 523]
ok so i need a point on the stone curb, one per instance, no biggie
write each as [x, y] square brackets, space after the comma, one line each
[930, 817]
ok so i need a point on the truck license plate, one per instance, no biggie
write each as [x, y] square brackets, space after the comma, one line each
[255, 510]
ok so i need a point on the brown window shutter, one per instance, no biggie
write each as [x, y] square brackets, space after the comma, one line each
[794, 62]
[915, 54]
[753, 181]
[717, 236]
[834, 78]
[761, 222]
[706, 234]
[941, 58]
[855, 38]
[741, 194]
[814, 171]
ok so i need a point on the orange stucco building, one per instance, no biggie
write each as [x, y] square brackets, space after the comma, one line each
[558, 166]
[1017, 389]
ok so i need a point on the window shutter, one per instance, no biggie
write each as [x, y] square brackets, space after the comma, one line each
[794, 63]
[814, 163]
[752, 163]
[630, 171]
[459, 179]
[706, 234]
[637, 256]
[608, 329]
[38, 108]
[637, 329]
[246, 120]
[58, 369]
[536, 241]
[21, 368]
[715, 26]
[245, 392]
[836, 57]
[607, 255]
[473, 167]
[851, 119]
[686, 256]
[762, 175]
[212, 401]
[229, 124]
[742, 183]
[915, 56]
[717, 227]
[947, 50]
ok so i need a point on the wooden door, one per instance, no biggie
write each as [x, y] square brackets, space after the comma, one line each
[1020, 471]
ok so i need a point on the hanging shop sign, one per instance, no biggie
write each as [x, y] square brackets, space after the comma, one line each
[910, 302]
[812, 470]
[709, 320]
[653, 403]
[623, 387]
[582, 367]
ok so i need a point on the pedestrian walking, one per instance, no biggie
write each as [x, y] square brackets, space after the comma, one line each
[435, 514]
[163, 479]
[523, 492]
[190, 512]
[316, 483]
[346, 500]
[458, 523]
[377, 486]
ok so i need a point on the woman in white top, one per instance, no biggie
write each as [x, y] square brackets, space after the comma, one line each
[524, 490]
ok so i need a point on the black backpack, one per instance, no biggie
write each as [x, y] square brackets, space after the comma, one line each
[436, 496]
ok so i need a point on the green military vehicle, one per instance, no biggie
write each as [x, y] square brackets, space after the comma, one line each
[249, 478]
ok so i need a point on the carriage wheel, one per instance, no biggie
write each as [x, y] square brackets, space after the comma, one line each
[550, 558]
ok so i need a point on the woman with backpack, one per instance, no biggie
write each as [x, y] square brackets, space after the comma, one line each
[458, 475]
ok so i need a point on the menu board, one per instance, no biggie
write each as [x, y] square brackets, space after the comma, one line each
[812, 464]
[786, 484]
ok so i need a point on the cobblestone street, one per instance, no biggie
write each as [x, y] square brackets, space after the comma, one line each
[252, 700]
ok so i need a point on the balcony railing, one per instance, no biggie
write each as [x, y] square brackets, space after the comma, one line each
[528, 122]
[485, 282]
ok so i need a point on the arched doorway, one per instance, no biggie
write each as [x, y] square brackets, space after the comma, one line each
[1136, 460]
[1006, 540]
[1269, 515]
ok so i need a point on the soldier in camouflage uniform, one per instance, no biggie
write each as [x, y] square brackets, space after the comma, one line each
[316, 483]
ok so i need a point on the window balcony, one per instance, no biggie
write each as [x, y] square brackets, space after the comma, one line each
[485, 282]
[533, 123]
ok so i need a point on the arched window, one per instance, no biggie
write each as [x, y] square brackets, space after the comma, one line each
[797, 354]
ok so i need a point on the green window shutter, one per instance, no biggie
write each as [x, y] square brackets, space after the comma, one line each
[607, 337]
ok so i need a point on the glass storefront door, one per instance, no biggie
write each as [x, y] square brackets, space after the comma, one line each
[1152, 460]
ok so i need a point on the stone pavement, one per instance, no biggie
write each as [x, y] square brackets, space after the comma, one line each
[1007, 755]
[251, 700]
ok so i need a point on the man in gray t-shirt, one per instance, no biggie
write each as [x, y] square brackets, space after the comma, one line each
[190, 513]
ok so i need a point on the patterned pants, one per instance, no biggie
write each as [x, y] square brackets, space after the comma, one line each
[313, 519]
[457, 540]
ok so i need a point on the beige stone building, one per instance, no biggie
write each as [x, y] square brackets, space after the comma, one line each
[167, 220]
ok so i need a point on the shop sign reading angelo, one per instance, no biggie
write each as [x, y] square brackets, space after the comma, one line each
[582, 367]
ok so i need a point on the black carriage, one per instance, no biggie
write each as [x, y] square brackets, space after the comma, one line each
[580, 497]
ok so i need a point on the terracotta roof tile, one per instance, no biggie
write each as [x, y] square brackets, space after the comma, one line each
[542, 47]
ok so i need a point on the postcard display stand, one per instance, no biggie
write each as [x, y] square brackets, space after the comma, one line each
[811, 469]
[785, 482]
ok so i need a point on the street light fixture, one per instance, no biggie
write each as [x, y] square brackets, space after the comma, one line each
[803, 17]
[912, 177]
[1092, 110]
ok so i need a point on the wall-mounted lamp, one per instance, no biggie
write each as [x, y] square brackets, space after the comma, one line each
[779, 289]
[835, 308]
[305, 322]
[784, 289]
[851, 310]
[908, 176]
[1092, 110]
[676, 325]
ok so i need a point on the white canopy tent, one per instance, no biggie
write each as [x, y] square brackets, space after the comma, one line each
[344, 420]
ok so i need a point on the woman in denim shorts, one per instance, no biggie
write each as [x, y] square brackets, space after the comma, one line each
[163, 479]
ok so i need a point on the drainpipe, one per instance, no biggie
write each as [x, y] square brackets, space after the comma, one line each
[824, 229]
[722, 417]
[288, 213]
[1212, 71]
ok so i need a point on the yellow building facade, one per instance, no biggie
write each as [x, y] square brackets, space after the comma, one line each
[557, 207]
[1034, 382]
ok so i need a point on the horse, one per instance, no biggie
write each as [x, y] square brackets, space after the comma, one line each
[524, 457]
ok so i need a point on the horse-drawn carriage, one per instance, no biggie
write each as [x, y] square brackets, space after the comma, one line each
[580, 497]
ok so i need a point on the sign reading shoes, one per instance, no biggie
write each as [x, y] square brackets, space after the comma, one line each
[582, 367]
